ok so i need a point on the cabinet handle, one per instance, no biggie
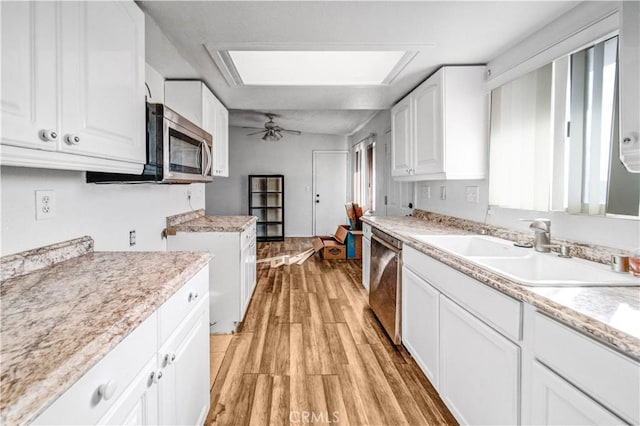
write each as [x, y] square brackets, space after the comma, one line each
[72, 139]
[48, 135]
[106, 390]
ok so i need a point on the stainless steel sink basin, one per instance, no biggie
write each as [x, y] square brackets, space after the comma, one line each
[527, 266]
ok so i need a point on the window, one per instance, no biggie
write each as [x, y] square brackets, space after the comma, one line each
[593, 87]
[521, 136]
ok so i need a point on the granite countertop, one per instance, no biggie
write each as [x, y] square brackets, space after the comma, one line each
[197, 221]
[608, 314]
[64, 309]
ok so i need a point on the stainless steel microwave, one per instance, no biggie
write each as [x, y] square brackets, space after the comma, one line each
[178, 151]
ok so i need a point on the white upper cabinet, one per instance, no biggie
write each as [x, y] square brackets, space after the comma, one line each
[194, 101]
[103, 80]
[400, 137]
[29, 89]
[630, 96]
[73, 86]
[440, 130]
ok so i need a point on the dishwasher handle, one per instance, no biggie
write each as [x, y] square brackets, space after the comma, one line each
[396, 250]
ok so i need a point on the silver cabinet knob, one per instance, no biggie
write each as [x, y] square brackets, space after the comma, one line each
[158, 376]
[107, 390]
[195, 295]
[190, 297]
[626, 141]
[72, 139]
[48, 135]
[169, 358]
[152, 378]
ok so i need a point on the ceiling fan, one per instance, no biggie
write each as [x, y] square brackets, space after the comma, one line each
[271, 130]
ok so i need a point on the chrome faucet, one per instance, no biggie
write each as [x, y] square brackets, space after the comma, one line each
[542, 229]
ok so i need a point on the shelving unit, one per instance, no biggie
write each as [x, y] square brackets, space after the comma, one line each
[266, 201]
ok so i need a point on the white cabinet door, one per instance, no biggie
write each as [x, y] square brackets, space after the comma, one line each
[630, 96]
[221, 144]
[184, 385]
[401, 138]
[248, 280]
[366, 262]
[479, 369]
[420, 323]
[29, 72]
[138, 405]
[556, 402]
[426, 103]
[102, 75]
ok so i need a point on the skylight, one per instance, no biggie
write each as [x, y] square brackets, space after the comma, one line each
[314, 68]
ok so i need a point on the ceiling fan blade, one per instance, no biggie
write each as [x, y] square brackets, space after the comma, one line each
[293, 132]
[254, 128]
[255, 133]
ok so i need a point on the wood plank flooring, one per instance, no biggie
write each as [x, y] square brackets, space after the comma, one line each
[311, 351]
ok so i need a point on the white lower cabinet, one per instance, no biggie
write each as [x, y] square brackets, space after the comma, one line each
[420, 323]
[184, 389]
[138, 404]
[366, 262]
[555, 401]
[233, 272]
[479, 369]
[159, 374]
[494, 361]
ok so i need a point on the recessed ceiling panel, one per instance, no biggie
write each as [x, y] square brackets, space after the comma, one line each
[315, 68]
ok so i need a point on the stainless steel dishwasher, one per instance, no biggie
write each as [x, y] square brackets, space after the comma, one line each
[385, 282]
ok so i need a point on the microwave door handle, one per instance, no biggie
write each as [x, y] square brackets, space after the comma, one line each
[205, 149]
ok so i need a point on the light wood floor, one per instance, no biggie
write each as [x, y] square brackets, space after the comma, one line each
[311, 351]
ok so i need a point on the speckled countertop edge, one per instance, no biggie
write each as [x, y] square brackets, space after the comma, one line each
[22, 401]
[399, 228]
[198, 222]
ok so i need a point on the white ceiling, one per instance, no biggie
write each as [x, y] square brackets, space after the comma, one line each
[330, 122]
[441, 32]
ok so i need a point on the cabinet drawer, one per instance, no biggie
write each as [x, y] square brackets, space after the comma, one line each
[177, 308]
[366, 230]
[500, 311]
[248, 236]
[82, 403]
[604, 374]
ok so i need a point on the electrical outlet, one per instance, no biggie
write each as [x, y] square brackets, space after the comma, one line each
[443, 192]
[132, 238]
[45, 204]
[426, 191]
[473, 194]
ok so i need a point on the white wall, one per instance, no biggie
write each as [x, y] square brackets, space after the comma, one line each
[291, 157]
[105, 212]
[399, 195]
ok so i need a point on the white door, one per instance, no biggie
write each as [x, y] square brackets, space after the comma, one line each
[479, 369]
[420, 323]
[330, 177]
[29, 58]
[427, 119]
[103, 80]
[401, 138]
[556, 402]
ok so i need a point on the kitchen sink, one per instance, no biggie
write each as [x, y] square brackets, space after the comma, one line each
[527, 266]
[474, 245]
[547, 269]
